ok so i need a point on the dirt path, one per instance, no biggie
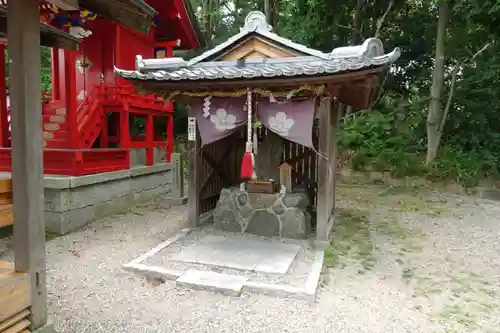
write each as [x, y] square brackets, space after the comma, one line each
[399, 263]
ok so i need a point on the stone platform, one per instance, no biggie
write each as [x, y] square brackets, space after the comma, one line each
[263, 214]
[229, 263]
[72, 202]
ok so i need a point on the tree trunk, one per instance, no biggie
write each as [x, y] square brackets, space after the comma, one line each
[435, 111]
[356, 24]
[268, 11]
[355, 39]
[268, 158]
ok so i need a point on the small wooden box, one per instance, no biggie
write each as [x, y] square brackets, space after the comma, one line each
[261, 186]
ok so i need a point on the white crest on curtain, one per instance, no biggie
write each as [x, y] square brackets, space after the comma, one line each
[206, 106]
[281, 124]
[222, 120]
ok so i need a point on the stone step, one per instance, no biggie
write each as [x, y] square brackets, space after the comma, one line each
[51, 127]
[57, 119]
[48, 135]
[229, 285]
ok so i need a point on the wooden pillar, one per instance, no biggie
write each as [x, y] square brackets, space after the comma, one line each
[27, 165]
[149, 140]
[104, 140]
[56, 92]
[125, 127]
[326, 169]
[169, 51]
[71, 105]
[62, 75]
[4, 121]
[194, 182]
[170, 136]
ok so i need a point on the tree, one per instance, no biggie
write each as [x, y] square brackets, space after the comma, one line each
[436, 116]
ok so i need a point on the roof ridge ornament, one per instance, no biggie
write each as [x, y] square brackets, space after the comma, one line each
[256, 21]
[371, 48]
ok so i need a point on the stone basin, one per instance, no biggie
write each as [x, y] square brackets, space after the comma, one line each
[263, 214]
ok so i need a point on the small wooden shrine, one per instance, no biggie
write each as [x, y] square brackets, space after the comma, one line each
[295, 95]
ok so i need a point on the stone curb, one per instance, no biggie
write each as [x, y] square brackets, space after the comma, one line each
[306, 293]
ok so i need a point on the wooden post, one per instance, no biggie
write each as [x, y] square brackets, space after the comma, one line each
[125, 127]
[27, 165]
[56, 93]
[104, 141]
[193, 182]
[149, 140]
[170, 136]
[286, 176]
[4, 121]
[62, 75]
[169, 52]
[71, 106]
[326, 170]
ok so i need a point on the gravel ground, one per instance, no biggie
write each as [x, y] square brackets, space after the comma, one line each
[420, 264]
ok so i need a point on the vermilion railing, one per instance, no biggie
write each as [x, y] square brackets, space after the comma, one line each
[90, 121]
[75, 162]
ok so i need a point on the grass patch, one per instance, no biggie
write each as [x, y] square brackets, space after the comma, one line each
[351, 240]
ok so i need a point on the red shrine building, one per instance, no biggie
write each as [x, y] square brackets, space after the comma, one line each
[88, 116]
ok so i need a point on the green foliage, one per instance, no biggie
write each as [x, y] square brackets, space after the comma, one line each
[45, 73]
[391, 142]
[383, 142]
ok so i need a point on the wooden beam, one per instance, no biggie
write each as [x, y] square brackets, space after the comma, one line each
[134, 14]
[27, 165]
[193, 182]
[49, 36]
[65, 4]
[326, 169]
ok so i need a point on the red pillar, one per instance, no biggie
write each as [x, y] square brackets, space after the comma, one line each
[71, 116]
[56, 93]
[170, 135]
[4, 122]
[125, 127]
[104, 141]
[149, 140]
[61, 70]
[170, 126]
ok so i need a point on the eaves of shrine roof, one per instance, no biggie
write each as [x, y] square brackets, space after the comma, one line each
[177, 69]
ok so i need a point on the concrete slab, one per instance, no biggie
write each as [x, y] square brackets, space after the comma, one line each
[230, 285]
[240, 252]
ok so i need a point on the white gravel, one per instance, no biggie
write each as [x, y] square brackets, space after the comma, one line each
[89, 292]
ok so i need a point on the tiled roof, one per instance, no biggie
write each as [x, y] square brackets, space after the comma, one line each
[264, 68]
[313, 62]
